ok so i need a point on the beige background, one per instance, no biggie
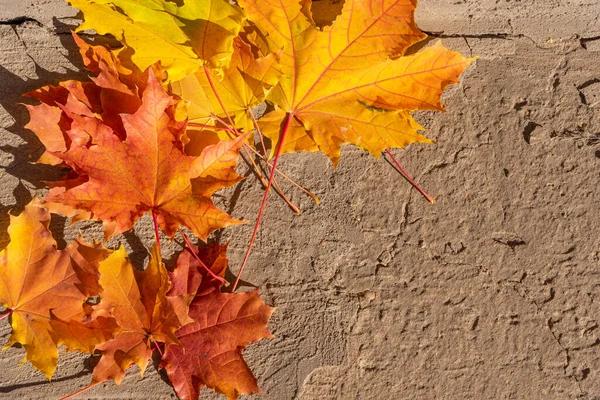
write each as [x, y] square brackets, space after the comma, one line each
[492, 293]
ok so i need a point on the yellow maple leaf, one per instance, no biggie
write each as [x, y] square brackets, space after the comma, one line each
[241, 86]
[350, 82]
[183, 38]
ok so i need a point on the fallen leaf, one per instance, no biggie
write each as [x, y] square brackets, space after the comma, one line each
[210, 349]
[183, 38]
[84, 332]
[115, 90]
[147, 170]
[41, 285]
[241, 86]
[138, 301]
[351, 82]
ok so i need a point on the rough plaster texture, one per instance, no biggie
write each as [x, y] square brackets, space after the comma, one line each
[492, 293]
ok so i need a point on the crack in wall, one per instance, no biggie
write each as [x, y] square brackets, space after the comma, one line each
[492, 36]
[20, 21]
[584, 41]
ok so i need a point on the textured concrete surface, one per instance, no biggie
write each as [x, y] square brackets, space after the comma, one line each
[492, 293]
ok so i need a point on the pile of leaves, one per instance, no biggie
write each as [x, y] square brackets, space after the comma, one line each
[159, 129]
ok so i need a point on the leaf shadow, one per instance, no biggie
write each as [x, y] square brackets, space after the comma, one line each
[23, 148]
[23, 197]
[139, 254]
[89, 365]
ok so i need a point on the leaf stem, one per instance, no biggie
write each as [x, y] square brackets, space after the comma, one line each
[260, 136]
[157, 347]
[6, 314]
[264, 200]
[91, 385]
[408, 178]
[265, 159]
[204, 126]
[214, 89]
[237, 133]
[284, 176]
[190, 249]
[269, 168]
[232, 129]
[263, 181]
[156, 231]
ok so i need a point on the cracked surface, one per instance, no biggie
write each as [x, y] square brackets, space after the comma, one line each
[492, 293]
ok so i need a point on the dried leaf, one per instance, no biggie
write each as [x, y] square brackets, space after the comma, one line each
[350, 82]
[211, 347]
[183, 38]
[139, 303]
[43, 286]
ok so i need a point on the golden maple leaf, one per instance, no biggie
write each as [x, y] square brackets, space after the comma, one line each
[45, 290]
[183, 38]
[350, 82]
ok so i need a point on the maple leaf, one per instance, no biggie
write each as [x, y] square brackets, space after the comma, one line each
[189, 277]
[147, 170]
[210, 347]
[112, 92]
[45, 290]
[350, 82]
[241, 86]
[183, 38]
[138, 301]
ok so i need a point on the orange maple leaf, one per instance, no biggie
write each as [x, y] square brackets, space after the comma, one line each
[115, 90]
[138, 301]
[45, 290]
[350, 82]
[80, 123]
[122, 173]
[210, 349]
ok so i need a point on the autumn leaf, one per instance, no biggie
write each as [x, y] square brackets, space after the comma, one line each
[113, 91]
[84, 331]
[139, 303]
[147, 170]
[189, 277]
[350, 82]
[48, 124]
[183, 38]
[211, 347]
[241, 86]
[42, 286]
